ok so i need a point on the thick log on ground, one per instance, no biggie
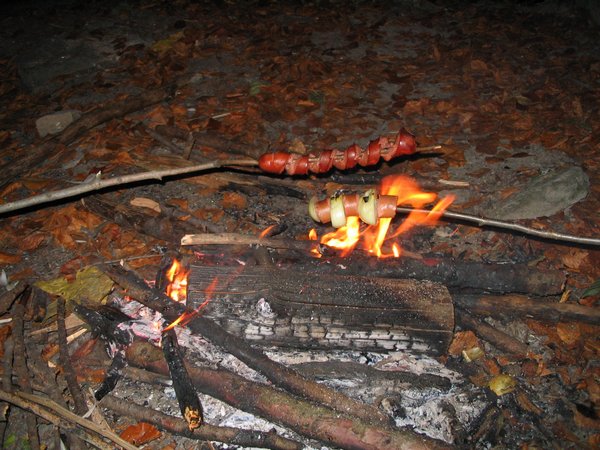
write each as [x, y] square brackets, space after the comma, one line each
[522, 307]
[271, 306]
[457, 276]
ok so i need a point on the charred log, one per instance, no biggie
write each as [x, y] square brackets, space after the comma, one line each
[271, 306]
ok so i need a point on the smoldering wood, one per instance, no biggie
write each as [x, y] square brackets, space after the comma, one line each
[278, 374]
[188, 400]
[458, 276]
[523, 307]
[270, 306]
[306, 418]
[228, 435]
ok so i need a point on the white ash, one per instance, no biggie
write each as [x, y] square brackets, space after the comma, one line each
[429, 411]
[440, 415]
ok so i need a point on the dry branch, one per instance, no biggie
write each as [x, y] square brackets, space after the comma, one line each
[58, 415]
[20, 363]
[241, 239]
[228, 435]
[65, 360]
[497, 338]
[279, 374]
[316, 422]
[118, 181]
[481, 222]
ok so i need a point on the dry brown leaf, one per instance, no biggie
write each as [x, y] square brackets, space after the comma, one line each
[32, 241]
[144, 202]
[7, 258]
[234, 200]
[574, 258]
[478, 65]
[463, 340]
[568, 332]
[141, 433]
[181, 203]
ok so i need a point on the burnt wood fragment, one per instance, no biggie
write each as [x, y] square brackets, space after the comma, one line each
[278, 307]
[188, 400]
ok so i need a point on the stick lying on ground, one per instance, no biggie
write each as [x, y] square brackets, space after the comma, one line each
[234, 436]
[118, 181]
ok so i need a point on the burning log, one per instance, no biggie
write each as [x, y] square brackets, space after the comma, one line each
[278, 374]
[317, 422]
[271, 306]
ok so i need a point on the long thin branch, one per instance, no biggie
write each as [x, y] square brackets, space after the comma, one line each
[57, 419]
[481, 222]
[228, 435]
[119, 181]
[33, 400]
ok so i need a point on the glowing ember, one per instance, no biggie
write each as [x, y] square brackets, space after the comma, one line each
[266, 231]
[373, 237]
[178, 282]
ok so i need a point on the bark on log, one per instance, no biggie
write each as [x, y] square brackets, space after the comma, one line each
[522, 307]
[279, 374]
[457, 276]
[310, 420]
[271, 306]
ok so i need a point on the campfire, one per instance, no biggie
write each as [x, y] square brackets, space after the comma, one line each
[295, 226]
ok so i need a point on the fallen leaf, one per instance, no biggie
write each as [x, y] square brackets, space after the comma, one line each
[569, 333]
[234, 200]
[478, 65]
[140, 433]
[574, 258]
[463, 340]
[32, 241]
[143, 202]
[7, 258]
[90, 287]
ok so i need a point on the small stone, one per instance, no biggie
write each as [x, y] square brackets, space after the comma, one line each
[56, 122]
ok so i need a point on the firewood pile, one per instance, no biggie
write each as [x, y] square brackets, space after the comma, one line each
[299, 225]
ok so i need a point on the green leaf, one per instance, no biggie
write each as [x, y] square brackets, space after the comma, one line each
[10, 440]
[594, 289]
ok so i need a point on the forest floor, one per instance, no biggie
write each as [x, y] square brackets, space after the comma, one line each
[510, 91]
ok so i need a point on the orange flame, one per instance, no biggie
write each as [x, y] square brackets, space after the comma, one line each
[344, 238]
[373, 237]
[178, 282]
[266, 231]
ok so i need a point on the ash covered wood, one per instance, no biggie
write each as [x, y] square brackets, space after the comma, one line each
[289, 308]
